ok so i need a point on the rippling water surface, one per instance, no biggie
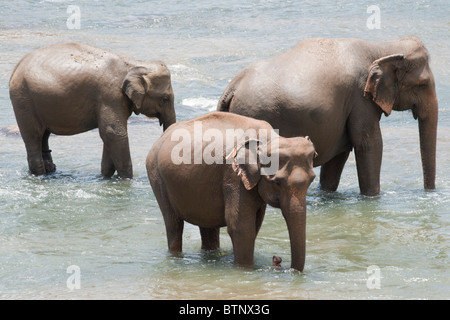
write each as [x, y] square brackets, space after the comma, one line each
[113, 230]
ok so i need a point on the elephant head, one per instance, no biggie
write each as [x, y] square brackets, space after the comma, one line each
[286, 188]
[405, 82]
[150, 90]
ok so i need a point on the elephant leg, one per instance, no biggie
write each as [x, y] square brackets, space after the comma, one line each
[32, 138]
[330, 172]
[174, 225]
[244, 213]
[46, 154]
[174, 231]
[368, 146]
[119, 152]
[368, 165]
[108, 167]
[242, 226]
[34, 154]
[116, 145]
[243, 241]
[32, 132]
[210, 238]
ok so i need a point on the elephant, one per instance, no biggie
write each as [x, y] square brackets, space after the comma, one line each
[235, 188]
[335, 91]
[70, 88]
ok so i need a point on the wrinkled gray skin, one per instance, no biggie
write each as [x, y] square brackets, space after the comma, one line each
[335, 91]
[71, 88]
[229, 194]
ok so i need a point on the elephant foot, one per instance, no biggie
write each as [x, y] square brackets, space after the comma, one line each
[48, 162]
[49, 166]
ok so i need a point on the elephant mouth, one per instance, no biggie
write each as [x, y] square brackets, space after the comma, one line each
[274, 203]
[156, 115]
[271, 198]
[159, 118]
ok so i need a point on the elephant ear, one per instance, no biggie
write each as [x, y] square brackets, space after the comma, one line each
[135, 86]
[382, 84]
[246, 163]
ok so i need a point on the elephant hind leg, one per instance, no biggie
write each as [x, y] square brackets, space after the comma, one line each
[174, 229]
[210, 238]
[32, 136]
[174, 225]
[330, 172]
[33, 146]
[31, 129]
[46, 154]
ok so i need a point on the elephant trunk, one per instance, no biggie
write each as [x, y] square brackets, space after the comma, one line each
[294, 212]
[428, 133]
[168, 118]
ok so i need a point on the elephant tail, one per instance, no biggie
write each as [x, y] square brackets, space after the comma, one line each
[225, 100]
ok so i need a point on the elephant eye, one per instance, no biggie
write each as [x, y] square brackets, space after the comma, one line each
[423, 83]
[274, 179]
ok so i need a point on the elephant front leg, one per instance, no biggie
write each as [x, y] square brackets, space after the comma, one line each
[243, 240]
[368, 148]
[108, 167]
[116, 151]
[243, 216]
[368, 165]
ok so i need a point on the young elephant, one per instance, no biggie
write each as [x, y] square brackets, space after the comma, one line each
[71, 88]
[225, 176]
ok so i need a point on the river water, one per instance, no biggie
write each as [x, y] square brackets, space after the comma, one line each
[393, 246]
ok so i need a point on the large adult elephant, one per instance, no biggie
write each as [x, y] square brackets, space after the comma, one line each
[71, 88]
[335, 91]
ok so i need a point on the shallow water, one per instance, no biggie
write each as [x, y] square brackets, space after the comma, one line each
[113, 230]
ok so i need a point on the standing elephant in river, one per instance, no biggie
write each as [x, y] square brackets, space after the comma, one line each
[335, 91]
[226, 176]
[71, 88]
